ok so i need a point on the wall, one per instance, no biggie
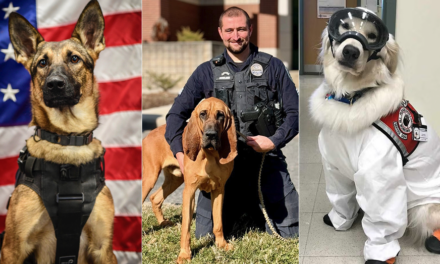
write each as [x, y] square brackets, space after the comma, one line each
[313, 27]
[203, 15]
[178, 59]
[285, 44]
[418, 36]
[150, 15]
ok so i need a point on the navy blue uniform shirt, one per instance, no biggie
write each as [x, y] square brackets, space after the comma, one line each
[201, 85]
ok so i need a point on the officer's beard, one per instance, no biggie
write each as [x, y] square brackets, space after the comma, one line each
[240, 50]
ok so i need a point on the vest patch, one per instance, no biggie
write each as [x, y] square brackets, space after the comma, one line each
[405, 120]
[398, 132]
[257, 69]
[398, 127]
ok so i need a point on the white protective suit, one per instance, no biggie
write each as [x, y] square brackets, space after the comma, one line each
[364, 169]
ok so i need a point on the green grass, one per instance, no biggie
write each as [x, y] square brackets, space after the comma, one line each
[162, 245]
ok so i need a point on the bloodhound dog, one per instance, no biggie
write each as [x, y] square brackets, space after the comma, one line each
[210, 146]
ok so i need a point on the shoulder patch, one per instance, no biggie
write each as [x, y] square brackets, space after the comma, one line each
[399, 126]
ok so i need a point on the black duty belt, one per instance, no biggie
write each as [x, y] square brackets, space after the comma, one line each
[70, 140]
[68, 193]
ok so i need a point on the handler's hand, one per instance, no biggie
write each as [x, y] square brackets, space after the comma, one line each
[260, 143]
[179, 157]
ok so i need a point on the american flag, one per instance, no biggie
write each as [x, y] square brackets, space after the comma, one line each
[118, 71]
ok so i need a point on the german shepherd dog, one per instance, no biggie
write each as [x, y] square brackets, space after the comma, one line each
[64, 99]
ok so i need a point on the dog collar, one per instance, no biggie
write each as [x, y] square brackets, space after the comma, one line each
[63, 139]
[348, 98]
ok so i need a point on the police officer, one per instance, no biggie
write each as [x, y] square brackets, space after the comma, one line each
[244, 78]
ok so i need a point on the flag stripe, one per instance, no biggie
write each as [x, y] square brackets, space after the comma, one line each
[5, 191]
[12, 140]
[126, 205]
[123, 164]
[119, 63]
[59, 13]
[120, 129]
[2, 222]
[127, 257]
[120, 96]
[127, 233]
[8, 167]
[120, 29]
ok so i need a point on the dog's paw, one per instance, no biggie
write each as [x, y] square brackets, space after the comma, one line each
[183, 257]
[166, 223]
[225, 246]
[228, 247]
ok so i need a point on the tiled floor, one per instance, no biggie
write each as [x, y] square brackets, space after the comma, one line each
[318, 242]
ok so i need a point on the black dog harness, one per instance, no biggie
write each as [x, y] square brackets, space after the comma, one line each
[68, 191]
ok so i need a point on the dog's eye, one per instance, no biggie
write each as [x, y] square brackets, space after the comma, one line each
[74, 59]
[372, 36]
[42, 63]
[220, 115]
[202, 115]
[345, 26]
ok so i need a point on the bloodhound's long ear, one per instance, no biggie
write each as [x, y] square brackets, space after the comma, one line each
[25, 39]
[228, 150]
[89, 29]
[192, 137]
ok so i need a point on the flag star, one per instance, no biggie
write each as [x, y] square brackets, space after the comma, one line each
[9, 52]
[9, 93]
[8, 10]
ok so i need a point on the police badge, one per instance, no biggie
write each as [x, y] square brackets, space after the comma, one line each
[257, 69]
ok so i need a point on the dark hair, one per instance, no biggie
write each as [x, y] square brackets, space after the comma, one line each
[234, 12]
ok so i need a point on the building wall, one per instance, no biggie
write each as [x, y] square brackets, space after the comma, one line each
[179, 14]
[313, 27]
[150, 15]
[203, 15]
[176, 59]
[417, 36]
[267, 24]
[285, 31]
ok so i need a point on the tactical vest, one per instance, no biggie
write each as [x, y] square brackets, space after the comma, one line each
[68, 193]
[241, 91]
[403, 128]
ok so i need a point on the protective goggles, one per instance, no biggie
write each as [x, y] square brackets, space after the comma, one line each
[360, 24]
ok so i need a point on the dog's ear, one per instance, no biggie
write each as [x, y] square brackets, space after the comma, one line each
[192, 137]
[391, 58]
[24, 37]
[89, 29]
[325, 44]
[228, 150]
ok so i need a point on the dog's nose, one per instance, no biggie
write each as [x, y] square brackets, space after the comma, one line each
[55, 82]
[350, 53]
[210, 134]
